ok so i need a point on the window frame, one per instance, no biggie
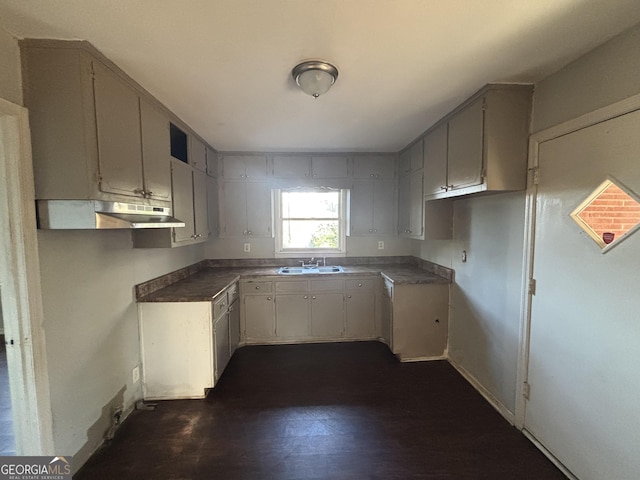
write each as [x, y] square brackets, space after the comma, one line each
[281, 252]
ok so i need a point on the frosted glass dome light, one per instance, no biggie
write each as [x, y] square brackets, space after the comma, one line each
[315, 77]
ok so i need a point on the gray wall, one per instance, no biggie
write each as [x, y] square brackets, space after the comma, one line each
[90, 314]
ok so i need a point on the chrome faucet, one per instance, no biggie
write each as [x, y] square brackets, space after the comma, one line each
[310, 264]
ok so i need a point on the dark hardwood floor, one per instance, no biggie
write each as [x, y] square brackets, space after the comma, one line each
[324, 411]
[7, 443]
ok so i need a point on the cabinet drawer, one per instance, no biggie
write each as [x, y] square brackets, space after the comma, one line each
[220, 306]
[296, 286]
[361, 284]
[326, 285]
[256, 287]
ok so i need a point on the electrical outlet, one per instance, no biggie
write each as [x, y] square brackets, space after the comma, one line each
[135, 374]
[380, 245]
[247, 247]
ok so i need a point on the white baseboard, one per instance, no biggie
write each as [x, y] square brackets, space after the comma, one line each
[423, 359]
[549, 455]
[488, 396]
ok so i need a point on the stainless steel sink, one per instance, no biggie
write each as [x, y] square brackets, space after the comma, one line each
[309, 270]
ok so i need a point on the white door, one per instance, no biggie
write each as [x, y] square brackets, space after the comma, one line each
[584, 343]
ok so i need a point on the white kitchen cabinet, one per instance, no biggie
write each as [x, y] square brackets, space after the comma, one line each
[156, 151]
[189, 203]
[292, 316]
[435, 160]
[411, 159]
[419, 320]
[213, 206]
[486, 146]
[234, 326]
[244, 167]
[95, 133]
[246, 209]
[259, 319]
[212, 162]
[221, 338]
[410, 206]
[177, 349]
[197, 154]
[360, 294]
[310, 166]
[374, 167]
[327, 315]
[373, 207]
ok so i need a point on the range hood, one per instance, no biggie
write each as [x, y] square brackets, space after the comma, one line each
[96, 214]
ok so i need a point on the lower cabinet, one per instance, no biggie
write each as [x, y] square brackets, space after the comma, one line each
[187, 345]
[418, 319]
[296, 310]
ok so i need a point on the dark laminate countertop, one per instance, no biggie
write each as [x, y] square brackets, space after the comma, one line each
[206, 284]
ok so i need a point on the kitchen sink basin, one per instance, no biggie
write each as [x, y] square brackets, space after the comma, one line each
[309, 270]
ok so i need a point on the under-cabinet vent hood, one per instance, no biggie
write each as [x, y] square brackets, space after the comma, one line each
[95, 214]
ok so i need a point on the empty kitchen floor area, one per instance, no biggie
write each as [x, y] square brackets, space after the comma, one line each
[323, 411]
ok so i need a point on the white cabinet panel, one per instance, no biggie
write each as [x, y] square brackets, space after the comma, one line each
[259, 319]
[327, 315]
[329, 166]
[246, 209]
[156, 151]
[200, 207]
[244, 167]
[234, 326]
[361, 308]
[197, 154]
[182, 186]
[373, 207]
[435, 160]
[291, 166]
[292, 316]
[118, 132]
[221, 339]
[373, 167]
[465, 146]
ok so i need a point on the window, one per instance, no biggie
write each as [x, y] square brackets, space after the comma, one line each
[310, 222]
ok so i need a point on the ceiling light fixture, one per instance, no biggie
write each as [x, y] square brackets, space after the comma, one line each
[315, 77]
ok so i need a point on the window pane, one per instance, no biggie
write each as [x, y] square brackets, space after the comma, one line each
[310, 204]
[310, 234]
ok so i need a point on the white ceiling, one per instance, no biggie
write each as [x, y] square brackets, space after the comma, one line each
[224, 66]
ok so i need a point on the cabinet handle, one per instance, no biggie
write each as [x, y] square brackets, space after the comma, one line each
[444, 187]
[248, 232]
[372, 175]
[348, 296]
[371, 230]
[306, 296]
[313, 298]
[268, 299]
[257, 287]
[359, 284]
[449, 187]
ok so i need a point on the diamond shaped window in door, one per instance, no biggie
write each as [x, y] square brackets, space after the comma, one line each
[609, 215]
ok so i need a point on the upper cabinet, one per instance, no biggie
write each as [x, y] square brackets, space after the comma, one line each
[96, 134]
[481, 146]
[212, 162]
[311, 166]
[374, 167]
[247, 168]
[410, 159]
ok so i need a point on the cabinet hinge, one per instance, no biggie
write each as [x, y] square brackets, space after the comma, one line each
[532, 286]
[535, 175]
[483, 175]
[173, 234]
[526, 390]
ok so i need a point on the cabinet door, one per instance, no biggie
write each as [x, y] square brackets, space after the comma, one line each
[197, 154]
[258, 201]
[373, 166]
[156, 151]
[221, 341]
[329, 167]
[234, 326]
[416, 205]
[212, 206]
[259, 319]
[384, 207]
[435, 161]
[291, 166]
[466, 147]
[404, 205]
[361, 201]
[292, 316]
[200, 207]
[182, 189]
[118, 133]
[411, 159]
[327, 315]
[212, 162]
[234, 209]
[361, 312]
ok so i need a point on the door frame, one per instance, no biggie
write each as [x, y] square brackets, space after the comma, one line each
[21, 293]
[600, 115]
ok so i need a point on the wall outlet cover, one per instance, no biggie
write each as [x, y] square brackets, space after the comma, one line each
[135, 374]
[380, 245]
[247, 247]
